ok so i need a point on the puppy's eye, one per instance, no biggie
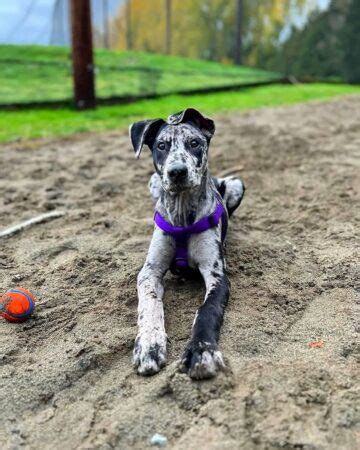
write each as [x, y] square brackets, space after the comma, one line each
[161, 145]
[194, 143]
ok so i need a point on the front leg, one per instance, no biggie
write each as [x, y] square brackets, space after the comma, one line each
[150, 343]
[202, 359]
[155, 187]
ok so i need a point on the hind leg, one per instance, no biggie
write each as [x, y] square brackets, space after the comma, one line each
[232, 190]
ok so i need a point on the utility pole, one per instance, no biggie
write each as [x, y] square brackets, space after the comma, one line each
[168, 33]
[82, 54]
[238, 32]
[105, 5]
[128, 26]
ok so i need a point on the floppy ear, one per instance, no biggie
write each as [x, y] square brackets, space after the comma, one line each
[143, 133]
[207, 126]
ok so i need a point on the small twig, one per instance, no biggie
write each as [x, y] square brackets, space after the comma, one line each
[28, 223]
[226, 172]
[146, 220]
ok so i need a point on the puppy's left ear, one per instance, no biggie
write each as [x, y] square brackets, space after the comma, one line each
[144, 133]
[206, 125]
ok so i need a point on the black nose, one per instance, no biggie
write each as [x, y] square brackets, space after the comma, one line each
[178, 172]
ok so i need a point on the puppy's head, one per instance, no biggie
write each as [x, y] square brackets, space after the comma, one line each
[179, 147]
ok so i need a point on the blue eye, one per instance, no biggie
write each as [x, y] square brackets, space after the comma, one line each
[161, 145]
[194, 143]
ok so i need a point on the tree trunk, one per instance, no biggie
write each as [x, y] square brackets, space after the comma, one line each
[238, 32]
[105, 15]
[168, 34]
[129, 42]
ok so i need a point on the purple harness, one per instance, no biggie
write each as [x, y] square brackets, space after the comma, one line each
[181, 234]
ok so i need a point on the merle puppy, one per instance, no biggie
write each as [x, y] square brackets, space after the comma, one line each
[191, 215]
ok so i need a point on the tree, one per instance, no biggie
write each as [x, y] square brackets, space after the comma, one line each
[208, 29]
[350, 41]
[317, 51]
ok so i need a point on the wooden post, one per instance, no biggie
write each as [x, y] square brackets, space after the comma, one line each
[238, 32]
[168, 26]
[82, 54]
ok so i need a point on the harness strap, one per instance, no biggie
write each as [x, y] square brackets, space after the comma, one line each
[182, 234]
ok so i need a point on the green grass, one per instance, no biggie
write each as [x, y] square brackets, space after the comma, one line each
[16, 125]
[35, 73]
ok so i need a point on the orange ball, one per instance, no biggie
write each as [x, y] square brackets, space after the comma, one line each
[17, 305]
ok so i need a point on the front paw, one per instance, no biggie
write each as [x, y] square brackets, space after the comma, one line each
[149, 352]
[201, 360]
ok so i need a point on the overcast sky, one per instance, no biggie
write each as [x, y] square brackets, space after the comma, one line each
[30, 21]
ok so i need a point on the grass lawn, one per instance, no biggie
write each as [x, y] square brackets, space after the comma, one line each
[39, 73]
[36, 123]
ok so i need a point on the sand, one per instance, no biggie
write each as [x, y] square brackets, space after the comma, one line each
[66, 375]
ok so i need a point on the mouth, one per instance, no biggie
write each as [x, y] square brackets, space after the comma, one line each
[177, 187]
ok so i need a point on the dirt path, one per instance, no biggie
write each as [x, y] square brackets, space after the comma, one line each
[66, 377]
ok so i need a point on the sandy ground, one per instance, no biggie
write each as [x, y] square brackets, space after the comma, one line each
[66, 375]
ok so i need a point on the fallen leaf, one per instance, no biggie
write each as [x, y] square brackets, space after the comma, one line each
[316, 344]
